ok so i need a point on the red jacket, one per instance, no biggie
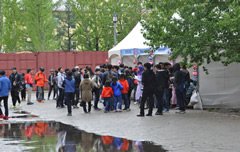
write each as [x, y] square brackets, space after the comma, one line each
[125, 85]
[41, 79]
[28, 79]
[107, 92]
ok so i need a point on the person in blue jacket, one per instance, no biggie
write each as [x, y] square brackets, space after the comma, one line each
[5, 88]
[69, 90]
[117, 87]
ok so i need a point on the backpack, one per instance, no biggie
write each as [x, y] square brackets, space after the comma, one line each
[109, 76]
[35, 81]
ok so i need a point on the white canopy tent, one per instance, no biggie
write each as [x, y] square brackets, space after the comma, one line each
[133, 48]
[134, 40]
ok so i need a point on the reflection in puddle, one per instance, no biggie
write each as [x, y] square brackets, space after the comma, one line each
[55, 136]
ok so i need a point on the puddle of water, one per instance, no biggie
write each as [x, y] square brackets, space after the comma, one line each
[54, 136]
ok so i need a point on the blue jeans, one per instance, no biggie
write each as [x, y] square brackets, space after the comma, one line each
[126, 101]
[108, 103]
[118, 102]
[40, 93]
[166, 103]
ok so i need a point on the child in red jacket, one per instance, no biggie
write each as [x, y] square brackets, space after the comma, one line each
[124, 91]
[107, 94]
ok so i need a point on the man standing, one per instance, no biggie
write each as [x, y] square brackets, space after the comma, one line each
[40, 79]
[179, 84]
[77, 76]
[15, 79]
[29, 85]
[69, 89]
[161, 84]
[148, 81]
[97, 89]
[60, 80]
[5, 87]
[50, 83]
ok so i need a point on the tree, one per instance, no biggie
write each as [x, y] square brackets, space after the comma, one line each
[94, 27]
[198, 31]
[1, 25]
[40, 25]
[65, 25]
[10, 25]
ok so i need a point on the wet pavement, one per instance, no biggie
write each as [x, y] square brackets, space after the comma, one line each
[51, 136]
[195, 131]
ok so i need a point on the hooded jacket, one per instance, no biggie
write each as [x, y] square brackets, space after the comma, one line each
[125, 85]
[117, 87]
[69, 85]
[5, 86]
[107, 92]
[40, 79]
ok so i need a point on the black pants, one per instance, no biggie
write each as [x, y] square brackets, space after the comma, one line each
[159, 96]
[15, 97]
[85, 106]
[69, 99]
[50, 89]
[97, 96]
[147, 94]
[5, 102]
[23, 94]
[181, 99]
[60, 97]
[55, 91]
[76, 96]
[129, 96]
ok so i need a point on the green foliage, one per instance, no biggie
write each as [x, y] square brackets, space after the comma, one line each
[1, 25]
[40, 24]
[196, 30]
[11, 27]
[94, 21]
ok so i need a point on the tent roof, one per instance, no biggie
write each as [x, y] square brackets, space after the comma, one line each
[134, 40]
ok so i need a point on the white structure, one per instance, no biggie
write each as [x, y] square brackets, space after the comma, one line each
[221, 87]
[132, 48]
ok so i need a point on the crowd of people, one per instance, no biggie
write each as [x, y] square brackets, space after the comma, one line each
[159, 86]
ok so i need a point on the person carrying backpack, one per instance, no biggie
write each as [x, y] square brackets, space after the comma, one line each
[40, 79]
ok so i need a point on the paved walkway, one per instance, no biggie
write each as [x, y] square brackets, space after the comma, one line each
[193, 131]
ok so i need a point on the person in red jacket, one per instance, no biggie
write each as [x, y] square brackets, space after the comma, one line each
[40, 79]
[29, 85]
[107, 94]
[124, 91]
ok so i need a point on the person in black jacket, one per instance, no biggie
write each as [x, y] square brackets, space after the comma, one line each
[179, 84]
[51, 83]
[161, 84]
[15, 79]
[148, 81]
[77, 77]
